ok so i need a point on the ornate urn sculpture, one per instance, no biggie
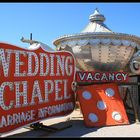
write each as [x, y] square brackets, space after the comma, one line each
[99, 48]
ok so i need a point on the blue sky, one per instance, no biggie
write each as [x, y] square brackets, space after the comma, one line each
[48, 21]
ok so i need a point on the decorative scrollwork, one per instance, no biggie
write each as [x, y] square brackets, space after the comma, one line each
[135, 63]
[74, 86]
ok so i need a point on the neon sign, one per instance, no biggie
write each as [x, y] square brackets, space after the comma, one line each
[34, 85]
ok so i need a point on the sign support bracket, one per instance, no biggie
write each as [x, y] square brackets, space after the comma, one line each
[41, 126]
[135, 109]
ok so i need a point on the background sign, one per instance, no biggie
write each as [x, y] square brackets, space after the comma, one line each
[34, 85]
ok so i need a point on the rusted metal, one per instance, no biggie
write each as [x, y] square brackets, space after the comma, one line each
[40, 126]
[30, 41]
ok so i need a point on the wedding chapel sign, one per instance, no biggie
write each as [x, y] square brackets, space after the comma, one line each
[34, 85]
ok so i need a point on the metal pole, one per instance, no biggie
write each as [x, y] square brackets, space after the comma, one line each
[98, 83]
[30, 38]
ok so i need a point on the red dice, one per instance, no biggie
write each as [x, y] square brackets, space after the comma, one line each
[102, 105]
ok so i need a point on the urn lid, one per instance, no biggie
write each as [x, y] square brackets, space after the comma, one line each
[96, 23]
[96, 16]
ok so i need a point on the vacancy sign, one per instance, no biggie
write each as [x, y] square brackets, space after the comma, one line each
[34, 85]
[95, 76]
